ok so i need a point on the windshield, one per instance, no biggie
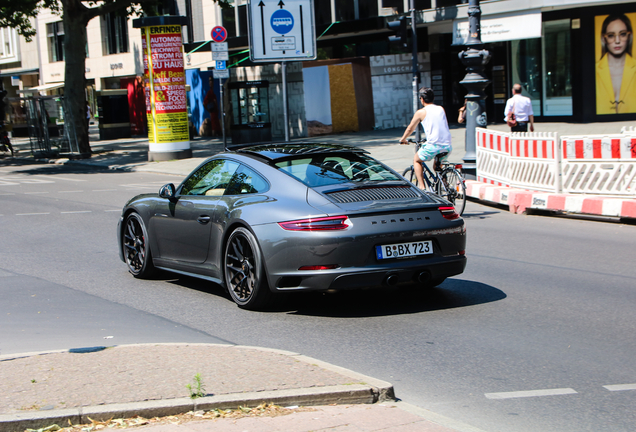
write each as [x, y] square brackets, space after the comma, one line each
[325, 170]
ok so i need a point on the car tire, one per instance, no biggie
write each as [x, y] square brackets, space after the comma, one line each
[244, 271]
[136, 247]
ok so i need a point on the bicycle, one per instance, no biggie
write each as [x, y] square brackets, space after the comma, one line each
[447, 181]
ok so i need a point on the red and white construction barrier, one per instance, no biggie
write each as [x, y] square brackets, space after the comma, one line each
[599, 164]
[534, 161]
[520, 201]
[593, 174]
[493, 156]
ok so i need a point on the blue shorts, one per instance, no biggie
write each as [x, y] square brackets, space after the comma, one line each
[429, 150]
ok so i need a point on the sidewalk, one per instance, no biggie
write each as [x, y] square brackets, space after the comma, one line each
[114, 386]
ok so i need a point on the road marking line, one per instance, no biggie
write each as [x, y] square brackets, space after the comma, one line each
[104, 190]
[118, 210]
[31, 214]
[620, 387]
[75, 191]
[62, 178]
[79, 211]
[35, 193]
[530, 393]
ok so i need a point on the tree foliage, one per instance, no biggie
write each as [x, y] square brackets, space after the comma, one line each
[75, 14]
[17, 14]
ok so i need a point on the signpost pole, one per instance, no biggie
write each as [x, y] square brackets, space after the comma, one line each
[220, 55]
[285, 113]
[222, 114]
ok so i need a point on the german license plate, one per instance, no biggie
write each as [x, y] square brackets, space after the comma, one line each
[400, 250]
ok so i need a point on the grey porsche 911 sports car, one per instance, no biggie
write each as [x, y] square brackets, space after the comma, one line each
[303, 216]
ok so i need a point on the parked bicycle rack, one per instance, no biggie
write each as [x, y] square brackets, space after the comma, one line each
[41, 119]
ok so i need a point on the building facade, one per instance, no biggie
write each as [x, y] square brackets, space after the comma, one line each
[558, 51]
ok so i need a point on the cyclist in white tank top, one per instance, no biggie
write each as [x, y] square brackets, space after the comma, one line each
[438, 138]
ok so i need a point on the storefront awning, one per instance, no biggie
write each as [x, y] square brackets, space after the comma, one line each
[43, 87]
[19, 71]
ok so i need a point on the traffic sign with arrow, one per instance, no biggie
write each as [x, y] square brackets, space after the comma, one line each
[281, 30]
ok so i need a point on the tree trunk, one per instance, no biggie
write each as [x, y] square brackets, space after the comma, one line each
[75, 20]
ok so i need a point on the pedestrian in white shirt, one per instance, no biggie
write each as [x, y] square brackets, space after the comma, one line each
[521, 107]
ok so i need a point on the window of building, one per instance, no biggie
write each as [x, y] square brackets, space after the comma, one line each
[345, 10]
[367, 8]
[55, 37]
[322, 12]
[116, 31]
[8, 45]
[228, 19]
[235, 19]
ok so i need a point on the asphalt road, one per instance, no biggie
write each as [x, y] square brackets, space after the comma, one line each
[536, 335]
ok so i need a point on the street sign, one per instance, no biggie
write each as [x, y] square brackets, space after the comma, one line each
[219, 34]
[219, 46]
[220, 65]
[220, 55]
[281, 30]
[219, 74]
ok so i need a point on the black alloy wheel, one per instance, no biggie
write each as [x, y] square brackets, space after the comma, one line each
[136, 248]
[245, 276]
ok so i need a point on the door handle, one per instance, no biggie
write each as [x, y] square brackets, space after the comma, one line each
[203, 219]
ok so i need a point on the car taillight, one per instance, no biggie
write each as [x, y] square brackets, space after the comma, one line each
[449, 213]
[317, 224]
[319, 267]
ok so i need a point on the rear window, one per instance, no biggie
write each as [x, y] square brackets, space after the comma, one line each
[325, 170]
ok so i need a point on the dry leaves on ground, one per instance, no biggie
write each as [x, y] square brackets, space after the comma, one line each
[263, 410]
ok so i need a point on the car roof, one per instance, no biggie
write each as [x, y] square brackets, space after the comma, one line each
[276, 151]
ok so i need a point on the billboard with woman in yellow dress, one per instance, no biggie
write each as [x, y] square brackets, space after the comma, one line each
[615, 67]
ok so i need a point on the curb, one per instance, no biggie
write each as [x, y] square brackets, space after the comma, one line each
[371, 390]
[520, 201]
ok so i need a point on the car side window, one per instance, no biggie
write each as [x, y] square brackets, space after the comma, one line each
[246, 181]
[211, 179]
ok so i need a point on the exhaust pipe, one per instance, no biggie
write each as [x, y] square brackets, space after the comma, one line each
[391, 280]
[424, 277]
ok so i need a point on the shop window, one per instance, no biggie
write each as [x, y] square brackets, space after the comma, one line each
[557, 74]
[116, 27]
[526, 70]
[55, 37]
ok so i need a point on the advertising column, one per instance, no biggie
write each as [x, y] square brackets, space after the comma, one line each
[164, 84]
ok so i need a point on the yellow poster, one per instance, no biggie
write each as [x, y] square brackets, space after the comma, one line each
[615, 64]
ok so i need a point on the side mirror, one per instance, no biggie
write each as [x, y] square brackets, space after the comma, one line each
[167, 191]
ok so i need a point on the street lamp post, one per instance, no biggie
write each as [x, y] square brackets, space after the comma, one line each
[474, 59]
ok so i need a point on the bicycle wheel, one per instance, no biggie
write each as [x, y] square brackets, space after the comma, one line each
[456, 189]
[409, 174]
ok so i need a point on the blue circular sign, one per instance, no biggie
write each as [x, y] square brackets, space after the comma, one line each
[282, 21]
[219, 34]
